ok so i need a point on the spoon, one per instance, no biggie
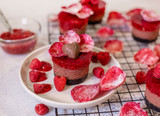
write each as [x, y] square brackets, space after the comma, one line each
[5, 22]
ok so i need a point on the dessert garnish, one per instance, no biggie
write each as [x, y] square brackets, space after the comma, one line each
[104, 58]
[41, 109]
[93, 2]
[37, 76]
[113, 46]
[116, 19]
[59, 83]
[113, 78]
[41, 88]
[133, 12]
[132, 109]
[84, 41]
[150, 16]
[146, 56]
[40, 65]
[71, 50]
[98, 72]
[157, 50]
[104, 32]
[140, 77]
[85, 93]
[81, 11]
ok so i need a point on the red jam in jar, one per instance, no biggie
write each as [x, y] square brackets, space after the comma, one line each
[18, 42]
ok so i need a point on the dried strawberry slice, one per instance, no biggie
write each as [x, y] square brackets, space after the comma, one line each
[134, 12]
[41, 88]
[59, 83]
[104, 32]
[132, 109]
[56, 49]
[113, 46]
[116, 19]
[94, 2]
[98, 72]
[157, 50]
[86, 44]
[72, 9]
[113, 78]
[70, 37]
[85, 93]
[35, 64]
[36, 76]
[140, 77]
[45, 66]
[146, 56]
[85, 12]
[150, 16]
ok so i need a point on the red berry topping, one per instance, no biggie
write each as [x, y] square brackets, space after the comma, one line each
[41, 88]
[94, 2]
[146, 56]
[104, 32]
[86, 44]
[84, 93]
[35, 64]
[98, 72]
[133, 12]
[56, 49]
[45, 66]
[94, 57]
[84, 1]
[132, 109]
[69, 63]
[113, 46]
[41, 109]
[113, 78]
[140, 77]
[36, 76]
[103, 57]
[59, 83]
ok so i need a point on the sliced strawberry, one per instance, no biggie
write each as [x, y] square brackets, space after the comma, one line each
[133, 12]
[113, 46]
[140, 77]
[70, 37]
[104, 58]
[94, 57]
[157, 50]
[98, 72]
[45, 66]
[36, 76]
[41, 109]
[41, 88]
[132, 109]
[113, 78]
[56, 49]
[35, 64]
[146, 56]
[85, 12]
[73, 8]
[86, 44]
[94, 2]
[116, 19]
[59, 83]
[104, 32]
[150, 16]
[85, 93]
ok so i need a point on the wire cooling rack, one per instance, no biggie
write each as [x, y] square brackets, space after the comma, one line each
[131, 91]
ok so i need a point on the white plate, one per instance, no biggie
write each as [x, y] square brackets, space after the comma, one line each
[62, 99]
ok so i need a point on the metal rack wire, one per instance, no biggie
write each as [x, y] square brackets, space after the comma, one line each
[131, 91]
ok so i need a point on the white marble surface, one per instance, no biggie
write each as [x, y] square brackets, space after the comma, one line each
[14, 101]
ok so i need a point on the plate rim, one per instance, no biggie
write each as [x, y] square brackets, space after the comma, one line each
[75, 105]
